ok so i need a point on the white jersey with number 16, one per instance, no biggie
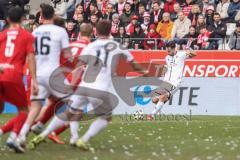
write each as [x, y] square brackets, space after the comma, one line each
[49, 42]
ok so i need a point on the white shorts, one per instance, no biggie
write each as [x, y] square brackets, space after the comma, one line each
[169, 90]
[45, 90]
[78, 102]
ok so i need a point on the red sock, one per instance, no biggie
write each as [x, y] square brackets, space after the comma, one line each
[21, 118]
[7, 127]
[61, 129]
[49, 113]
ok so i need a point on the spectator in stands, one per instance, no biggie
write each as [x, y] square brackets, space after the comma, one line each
[187, 7]
[234, 41]
[31, 24]
[93, 21]
[120, 7]
[169, 6]
[204, 6]
[72, 34]
[200, 23]
[164, 27]
[80, 20]
[234, 10]
[218, 30]
[130, 27]
[157, 13]
[126, 17]
[102, 6]
[146, 22]
[122, 37]
[78, 11]
[61, 7]
[203, 40]
[115, 24]
[222, 9]
[137, 37]
[193, 15]
[109, 12]
[135, 5]
[152, 39]
[140, 13]
[94, 10]
[189, 40]
[209, 15]
[180, 27]
[86, 4]
[174, 15]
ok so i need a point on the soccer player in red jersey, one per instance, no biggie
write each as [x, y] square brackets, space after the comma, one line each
[16, 46]
[76, 48]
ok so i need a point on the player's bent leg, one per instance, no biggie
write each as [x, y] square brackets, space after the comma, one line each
[95, 128]
[15, 94]
[54, 136]
[161, 101]
[34, 111]
[45, 115]
[54, 124]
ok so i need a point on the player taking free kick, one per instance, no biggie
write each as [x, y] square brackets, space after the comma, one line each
[174, 63]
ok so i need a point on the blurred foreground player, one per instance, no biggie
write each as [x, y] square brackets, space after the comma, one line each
[76, 48]
[175, 61]
[50, 42]
[16, 46]
[99, 55]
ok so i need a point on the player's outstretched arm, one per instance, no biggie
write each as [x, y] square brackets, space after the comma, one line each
[191, 53]
[32, 68]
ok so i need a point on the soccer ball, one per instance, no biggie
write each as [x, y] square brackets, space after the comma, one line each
[138, 115]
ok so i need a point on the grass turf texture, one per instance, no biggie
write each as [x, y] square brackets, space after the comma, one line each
[204, 137]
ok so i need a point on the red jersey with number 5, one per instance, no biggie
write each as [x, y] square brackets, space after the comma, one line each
[15, 45]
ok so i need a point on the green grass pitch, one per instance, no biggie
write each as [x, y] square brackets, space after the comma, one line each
[201, 138]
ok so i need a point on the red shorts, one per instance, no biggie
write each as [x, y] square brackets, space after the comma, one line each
[13, 93]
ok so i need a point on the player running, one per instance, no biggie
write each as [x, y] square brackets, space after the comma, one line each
[174, 64]
[50, 42]
[76, 48]
[16, 46]
[99, 59]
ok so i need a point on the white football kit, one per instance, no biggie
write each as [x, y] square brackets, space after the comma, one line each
[175, 66]
[104, 58]
[49, 42]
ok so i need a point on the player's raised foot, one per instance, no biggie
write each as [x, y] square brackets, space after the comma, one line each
[150, 117]
[15, 145]
[82, 145]
[55, 138]
[37, 128]
[35, 142]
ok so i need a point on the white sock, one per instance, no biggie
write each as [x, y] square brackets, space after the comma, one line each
[74, 125]
[157, 108]
[97, 126]
[24, 131]
[1, 132]
[12, 137]
[54, 124]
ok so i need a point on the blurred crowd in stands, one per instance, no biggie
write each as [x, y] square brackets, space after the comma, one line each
[149, 24]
